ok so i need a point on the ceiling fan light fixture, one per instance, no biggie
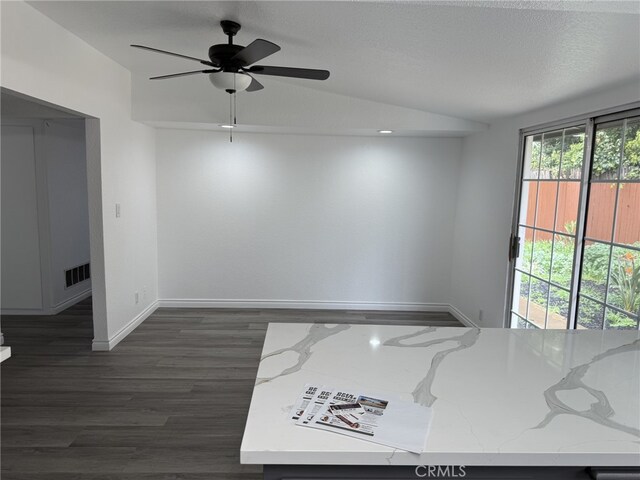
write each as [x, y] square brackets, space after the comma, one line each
[230, 81]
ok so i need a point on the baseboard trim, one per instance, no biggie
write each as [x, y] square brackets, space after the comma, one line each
[56, 309]
[107, 345]
[302, 304]
[315, 304]
[462, 318]
[71, 301]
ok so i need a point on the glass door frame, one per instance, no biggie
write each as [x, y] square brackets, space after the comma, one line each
[589, 122]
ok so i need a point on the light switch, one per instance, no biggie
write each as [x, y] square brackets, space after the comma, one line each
[117, 210]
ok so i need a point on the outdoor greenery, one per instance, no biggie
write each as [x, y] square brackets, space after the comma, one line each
[624, 284]
[559, 155]
[553, 153]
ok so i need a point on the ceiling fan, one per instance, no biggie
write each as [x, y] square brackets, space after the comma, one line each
[232, 66]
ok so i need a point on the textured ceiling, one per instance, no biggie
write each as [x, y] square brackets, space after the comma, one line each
[470, 60]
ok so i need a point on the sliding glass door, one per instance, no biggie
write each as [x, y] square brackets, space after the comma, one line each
[609, 291]
[575, 252]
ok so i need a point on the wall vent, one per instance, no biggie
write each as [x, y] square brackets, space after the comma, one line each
[77, 275]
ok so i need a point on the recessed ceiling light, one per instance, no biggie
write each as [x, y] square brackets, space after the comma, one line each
[228, 126]
[385, 131]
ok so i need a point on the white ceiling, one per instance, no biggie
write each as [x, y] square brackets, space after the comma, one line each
[415, 66]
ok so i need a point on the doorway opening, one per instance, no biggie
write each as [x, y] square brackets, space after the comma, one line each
[50, 224]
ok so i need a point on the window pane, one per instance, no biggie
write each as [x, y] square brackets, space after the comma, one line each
[620, 321]
[602, 199]
[532, 156]
[567, 211]
[521, 288]
[562, 261]
[523, 262]
[545, 214]
[528, 203]
[538, 295]
[608, 149]
[595, 265]
[628, 215]
[631, 157]
[551, 152]
[572, 153]
[541, 257]
[558, 308]
[624, 280]
[515, 321]
[590, 314]
[520, 323]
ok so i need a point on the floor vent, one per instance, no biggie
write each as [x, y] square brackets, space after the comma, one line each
[77, 275]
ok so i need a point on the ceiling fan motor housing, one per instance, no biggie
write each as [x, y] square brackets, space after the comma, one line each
[221, 55]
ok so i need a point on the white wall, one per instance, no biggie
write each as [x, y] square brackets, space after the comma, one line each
[295, 220]
[44, 209]
[49, 63]
[68, 207]
[485, 204]
[21, 283]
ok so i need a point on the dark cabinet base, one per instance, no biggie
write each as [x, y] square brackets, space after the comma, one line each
[344, 472]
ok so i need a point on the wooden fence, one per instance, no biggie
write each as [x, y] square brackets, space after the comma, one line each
[601, 207]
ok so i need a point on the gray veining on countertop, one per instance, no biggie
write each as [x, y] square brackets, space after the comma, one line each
[317, 333]
[422, 393]
[600, 411]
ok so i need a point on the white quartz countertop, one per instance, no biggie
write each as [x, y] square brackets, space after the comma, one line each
[499, 396]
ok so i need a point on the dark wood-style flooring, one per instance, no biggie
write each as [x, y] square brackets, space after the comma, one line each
[168, 403]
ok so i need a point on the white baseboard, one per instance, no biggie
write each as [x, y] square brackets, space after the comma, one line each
[101, 345]
[70, 302]
[462, 318]
[56, 309]
[107, 345]
[302, 304]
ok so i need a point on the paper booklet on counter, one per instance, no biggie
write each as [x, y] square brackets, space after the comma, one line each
[374, 418]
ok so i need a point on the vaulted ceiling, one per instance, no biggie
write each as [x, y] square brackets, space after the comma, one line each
[420, 68]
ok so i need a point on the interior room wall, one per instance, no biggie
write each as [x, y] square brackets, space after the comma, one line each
[68, 212]
[44, 211]
[305, 221]
[21, 273]
[47, 62]
[485, 204]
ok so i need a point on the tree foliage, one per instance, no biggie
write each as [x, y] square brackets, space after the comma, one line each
[560, 156]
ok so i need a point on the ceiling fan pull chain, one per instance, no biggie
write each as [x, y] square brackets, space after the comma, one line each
[235, 110]
[230, 116]
[234, 99]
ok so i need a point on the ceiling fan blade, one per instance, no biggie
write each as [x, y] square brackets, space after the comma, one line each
[290, 72]
[255, 51]
[151, 49]
[183, 74]
[255, 85]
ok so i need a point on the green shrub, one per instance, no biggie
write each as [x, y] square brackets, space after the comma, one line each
[595, 264]
[617, 320]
